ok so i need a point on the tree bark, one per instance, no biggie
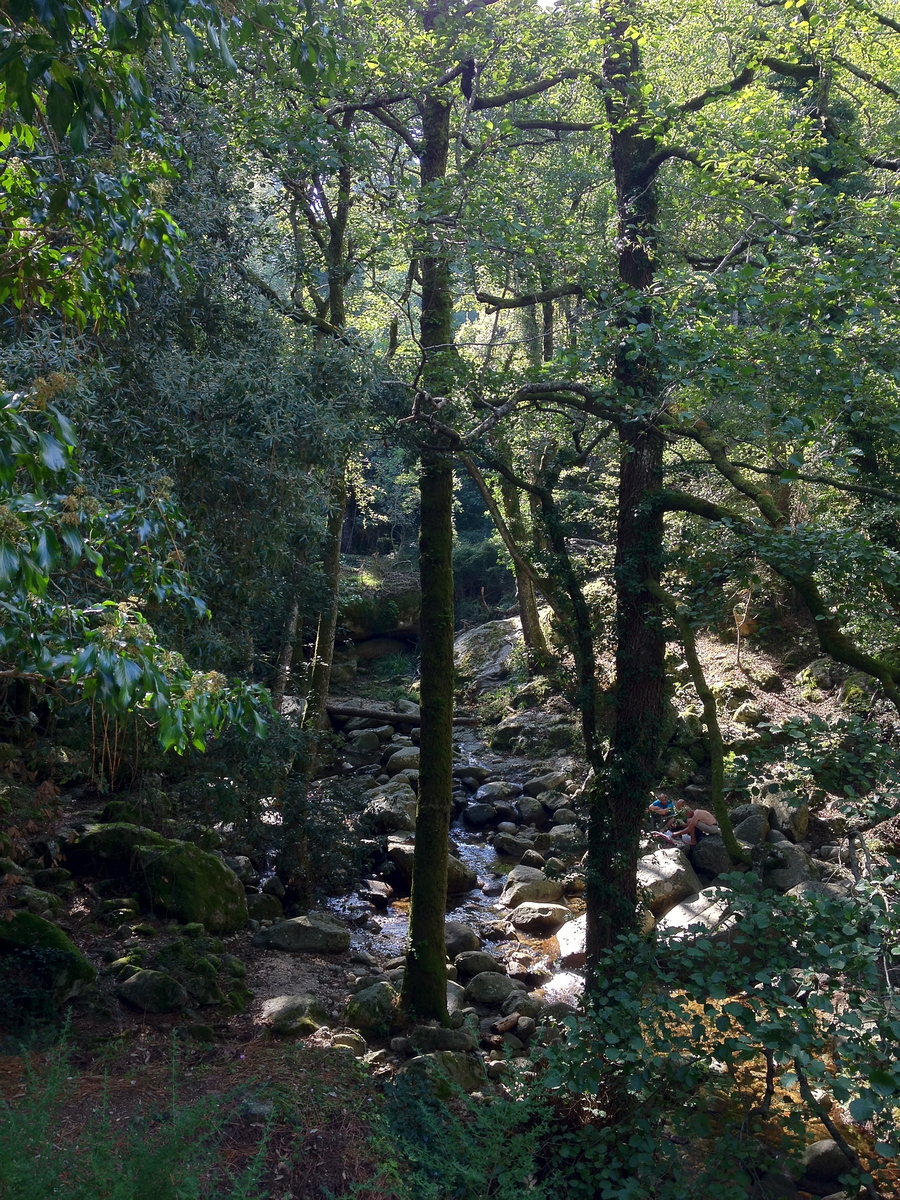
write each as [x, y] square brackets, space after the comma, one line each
[711, 719]
[314, 718]
[622, 792]
[425, 978]
[286, 654]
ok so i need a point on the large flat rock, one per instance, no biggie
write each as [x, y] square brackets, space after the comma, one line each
[666, 877]
[316, 933]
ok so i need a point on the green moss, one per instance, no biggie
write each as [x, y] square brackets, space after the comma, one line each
[108, 849]
[180, 880]
[39, 963]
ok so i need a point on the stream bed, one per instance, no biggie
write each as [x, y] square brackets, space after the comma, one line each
[535, 960]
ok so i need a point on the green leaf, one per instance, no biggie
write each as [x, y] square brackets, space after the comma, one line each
[60, 107]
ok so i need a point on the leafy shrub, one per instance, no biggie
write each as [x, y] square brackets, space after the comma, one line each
[731, 1044]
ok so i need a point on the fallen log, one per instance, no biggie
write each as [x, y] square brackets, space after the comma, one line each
[389, 718]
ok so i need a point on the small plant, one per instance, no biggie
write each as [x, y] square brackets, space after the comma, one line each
[170, 1153]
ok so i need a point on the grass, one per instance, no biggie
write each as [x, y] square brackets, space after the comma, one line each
[232, 1123]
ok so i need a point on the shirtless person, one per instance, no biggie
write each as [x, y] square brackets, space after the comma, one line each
[698, 819]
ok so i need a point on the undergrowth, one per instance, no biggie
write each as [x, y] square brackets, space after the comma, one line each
[167, 1153]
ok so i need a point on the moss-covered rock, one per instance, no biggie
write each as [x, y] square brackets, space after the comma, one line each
[36, 955]
[153, 991]
[178, 879]
[300, 1014]
[372, 1008]
[108, 849]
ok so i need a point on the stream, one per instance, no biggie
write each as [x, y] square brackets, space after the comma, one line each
[533, 959]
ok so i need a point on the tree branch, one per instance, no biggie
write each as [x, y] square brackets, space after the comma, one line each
[883, 87]
[503, 529]
[498, 302]
[744, 79]
[480, 103]
[558, 126]
[391, 122]
[292, 311]
[710, 716]
[858, 488]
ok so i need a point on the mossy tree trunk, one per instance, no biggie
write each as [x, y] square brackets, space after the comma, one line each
[621, 794]
[711, 719]
[425, 979]
[323, 654]
[532, 633]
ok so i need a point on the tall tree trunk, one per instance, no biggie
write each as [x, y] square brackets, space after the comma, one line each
[620, 796]
[424, 982]
[314, 717]
[286, 653]
[532, 633]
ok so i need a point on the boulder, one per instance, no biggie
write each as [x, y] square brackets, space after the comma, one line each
[460, 938]
[814, 889]
[795, 866]
[535, 731]
[405, 759]
[482, 655]
[572, 939]
[182, 881]
[472, 774]
[107, 849]
[789, 814]
[512, 846]
[750, 714]
[489, 987]
[498, 789]
[153, 992]
[744, 812]
[39, 953]
[478, 815]
[371, 1008]
[710, 855]
[364, 741]
[289, 1015]
[263, 907]
[538, 918]
[526, 1004]
[348, 1039]
[824, 1160]
[376, 891]
[427, 1038]
[244, 869]
[666, 877]
[525, 884]
[754, 828]
[567, 838]
[531, 811]
[456, 996]
[393, 813]
[474, 962]
[444, 1070]
[460, 877]
[706, 910]
[531, 858]
[316, 933]
[551, 782]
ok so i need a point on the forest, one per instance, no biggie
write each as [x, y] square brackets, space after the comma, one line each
[449, 598]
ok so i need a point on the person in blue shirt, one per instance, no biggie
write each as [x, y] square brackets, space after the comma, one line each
[662, 809]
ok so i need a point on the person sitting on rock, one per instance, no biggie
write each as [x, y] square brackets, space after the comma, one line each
[699, 824]
[662, 809]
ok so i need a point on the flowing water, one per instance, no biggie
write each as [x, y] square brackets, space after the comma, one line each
[533, 959]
